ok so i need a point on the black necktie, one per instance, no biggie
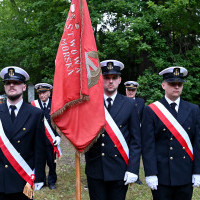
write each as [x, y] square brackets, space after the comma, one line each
[12, 112]
[44, 105]
[109, 103]
[173, 105]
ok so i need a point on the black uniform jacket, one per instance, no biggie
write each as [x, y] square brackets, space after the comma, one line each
[48, 117]
[103, 160]
[162, 154]
[26, 134]
[139, 104]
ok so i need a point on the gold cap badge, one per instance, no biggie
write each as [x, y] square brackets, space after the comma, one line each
[11, 72]
[176, 71]
[110, 66]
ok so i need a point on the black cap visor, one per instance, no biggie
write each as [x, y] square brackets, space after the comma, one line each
[170, 80]
[114, 70]
[131, 88]
[41, 90]
[170, 77]
[16, 77]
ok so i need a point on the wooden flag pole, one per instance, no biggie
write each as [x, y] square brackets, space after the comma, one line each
[78, 176]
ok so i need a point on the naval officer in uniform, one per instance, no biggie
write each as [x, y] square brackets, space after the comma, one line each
[171, 141]
[131, 91]
[24, 137]
[44, 93]
[107, 169]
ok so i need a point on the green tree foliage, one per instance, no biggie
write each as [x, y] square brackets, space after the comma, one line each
[147, 36]
[178, 27]
[30, 33]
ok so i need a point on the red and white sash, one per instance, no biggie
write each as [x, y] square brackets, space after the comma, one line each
[116, 136]
[48, 130]
[15, 159]
[173, 125]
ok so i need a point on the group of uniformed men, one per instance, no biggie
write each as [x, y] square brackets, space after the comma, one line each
[166, 133]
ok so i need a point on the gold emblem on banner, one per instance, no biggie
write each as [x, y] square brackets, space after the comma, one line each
[11, 72]
[93, 70]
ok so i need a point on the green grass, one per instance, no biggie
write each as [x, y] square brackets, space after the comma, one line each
[66, 183]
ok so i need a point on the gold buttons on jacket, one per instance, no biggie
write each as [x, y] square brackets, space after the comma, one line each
[115, 145]
[115, 155]
[103, 135]
[188, 128]
[171, 158]
[18, 141]
[164, 129]
[171, 138]
[102, 144]
[103, 154]
[183, 157]
[24, 129]
[6, 166]
[120, 126]
[171, 148]
[183, 147]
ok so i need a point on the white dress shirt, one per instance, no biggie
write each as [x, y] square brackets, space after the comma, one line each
[47, 102]
[112, 97]
[177, 102]
[18, 106]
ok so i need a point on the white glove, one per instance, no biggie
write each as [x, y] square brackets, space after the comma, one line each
[38, 186]
[56, 141]
[196, 180]
[152, 182]
[130, 178]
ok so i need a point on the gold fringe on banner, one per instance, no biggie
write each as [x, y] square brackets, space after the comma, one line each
[68, 105]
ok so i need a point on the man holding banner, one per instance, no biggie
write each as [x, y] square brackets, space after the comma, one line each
[78, 113]
[171, 141]
[113, 161]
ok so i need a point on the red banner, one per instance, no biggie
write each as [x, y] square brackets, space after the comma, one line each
[77, 101]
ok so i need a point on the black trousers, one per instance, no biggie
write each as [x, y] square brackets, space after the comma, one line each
[183, 192]
[106, 190]
[52, 176]
[13, 196]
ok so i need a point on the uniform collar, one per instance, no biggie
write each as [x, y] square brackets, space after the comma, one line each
[170, 101]
[18, 105]
[112, 97]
